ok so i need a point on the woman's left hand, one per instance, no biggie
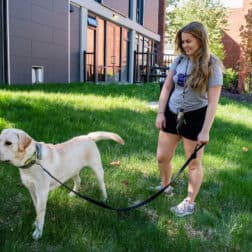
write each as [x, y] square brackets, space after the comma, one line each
[203, 137]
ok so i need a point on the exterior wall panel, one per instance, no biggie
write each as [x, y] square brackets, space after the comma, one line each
[39, 37]
[1, 44]
[121, 6]
[75, 45]
[150, 19]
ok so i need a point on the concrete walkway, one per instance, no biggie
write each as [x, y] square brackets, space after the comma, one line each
[153, 104]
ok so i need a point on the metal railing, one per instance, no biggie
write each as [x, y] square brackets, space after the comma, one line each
[150, 67]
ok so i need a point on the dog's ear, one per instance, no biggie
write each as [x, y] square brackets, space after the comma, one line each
[24, 141]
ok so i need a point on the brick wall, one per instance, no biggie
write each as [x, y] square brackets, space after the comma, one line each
[232, 39]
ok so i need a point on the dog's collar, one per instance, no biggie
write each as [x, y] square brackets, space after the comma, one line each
[37, 155]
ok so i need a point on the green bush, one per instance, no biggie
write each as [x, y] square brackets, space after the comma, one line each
[248, 84]
[230, 79]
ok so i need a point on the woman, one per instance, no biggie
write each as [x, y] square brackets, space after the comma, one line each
[196, 76]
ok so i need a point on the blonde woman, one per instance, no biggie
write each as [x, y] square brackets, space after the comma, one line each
[196, 76]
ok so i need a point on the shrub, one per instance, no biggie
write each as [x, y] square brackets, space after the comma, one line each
[230, 79]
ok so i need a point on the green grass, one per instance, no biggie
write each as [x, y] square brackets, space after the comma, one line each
[55, 113]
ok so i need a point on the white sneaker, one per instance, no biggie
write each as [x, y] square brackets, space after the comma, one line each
[168, 190]
[184, 208]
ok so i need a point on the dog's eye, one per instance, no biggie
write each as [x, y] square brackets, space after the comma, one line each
[8, 143]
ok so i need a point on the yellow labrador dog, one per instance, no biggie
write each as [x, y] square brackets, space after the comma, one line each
[64, 161]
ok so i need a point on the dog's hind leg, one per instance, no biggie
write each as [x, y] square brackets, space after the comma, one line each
[77, 182]
[96, 165]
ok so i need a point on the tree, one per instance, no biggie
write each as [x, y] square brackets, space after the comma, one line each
[209, 12]
[246, 45]
[172, 2]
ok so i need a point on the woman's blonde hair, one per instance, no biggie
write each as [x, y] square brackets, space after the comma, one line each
[202, 61]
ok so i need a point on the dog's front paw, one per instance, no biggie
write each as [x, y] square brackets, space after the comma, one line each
[71, 194]
[104, 199]
[37, 234]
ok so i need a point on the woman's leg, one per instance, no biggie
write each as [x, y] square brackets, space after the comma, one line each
[167, 144]
[195, 169]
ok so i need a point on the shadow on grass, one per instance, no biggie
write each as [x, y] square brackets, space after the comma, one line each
[54, 123]
[74, 224]
[141, 92]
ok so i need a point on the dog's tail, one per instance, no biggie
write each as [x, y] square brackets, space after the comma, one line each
[102, 135]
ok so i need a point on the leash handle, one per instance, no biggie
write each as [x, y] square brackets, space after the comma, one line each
[198, 147]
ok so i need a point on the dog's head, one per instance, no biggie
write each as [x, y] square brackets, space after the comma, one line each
[16, 146]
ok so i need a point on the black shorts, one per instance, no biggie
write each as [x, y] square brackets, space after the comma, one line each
[193, 123]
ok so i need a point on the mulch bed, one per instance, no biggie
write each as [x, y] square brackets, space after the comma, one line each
[236, 96]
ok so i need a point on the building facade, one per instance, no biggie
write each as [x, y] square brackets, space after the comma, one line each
[232, 39]
[62, 41]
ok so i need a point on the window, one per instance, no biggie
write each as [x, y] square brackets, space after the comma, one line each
[92, 21]
[140, 11]
[90, 54]
[106, 58]
[113, 52]
[101, 49]
[130, 14]
[124, 55]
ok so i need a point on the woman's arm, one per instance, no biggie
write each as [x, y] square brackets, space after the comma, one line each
[213, 99]
[162, 103]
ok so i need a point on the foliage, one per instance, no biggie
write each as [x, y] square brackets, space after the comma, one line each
[172, 2]
[55, 113]
[210, 12]
[230, 79]
[248, 84]
[246, 45]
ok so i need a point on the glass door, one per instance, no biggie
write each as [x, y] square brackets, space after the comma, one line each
[90, 55]
[124, 56]
[113, 53]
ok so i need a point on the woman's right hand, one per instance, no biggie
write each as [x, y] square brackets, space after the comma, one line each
[160, 121]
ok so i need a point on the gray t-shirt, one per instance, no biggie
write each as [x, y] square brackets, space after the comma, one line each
[192, 99]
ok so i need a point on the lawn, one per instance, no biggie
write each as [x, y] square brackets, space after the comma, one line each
[55, 113]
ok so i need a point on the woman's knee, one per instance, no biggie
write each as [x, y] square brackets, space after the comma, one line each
[195, 165]
[163, 158]
[167, 144]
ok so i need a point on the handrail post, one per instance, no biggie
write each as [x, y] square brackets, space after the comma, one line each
[84, 66]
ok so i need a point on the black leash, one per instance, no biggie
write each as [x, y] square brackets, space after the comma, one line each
[101, 204]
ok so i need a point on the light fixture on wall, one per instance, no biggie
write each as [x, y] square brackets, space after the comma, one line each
[114, 16]
[71, 9]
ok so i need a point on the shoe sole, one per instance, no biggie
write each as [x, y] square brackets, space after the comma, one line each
[183, 215]
[170, 193]
[180, 215]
